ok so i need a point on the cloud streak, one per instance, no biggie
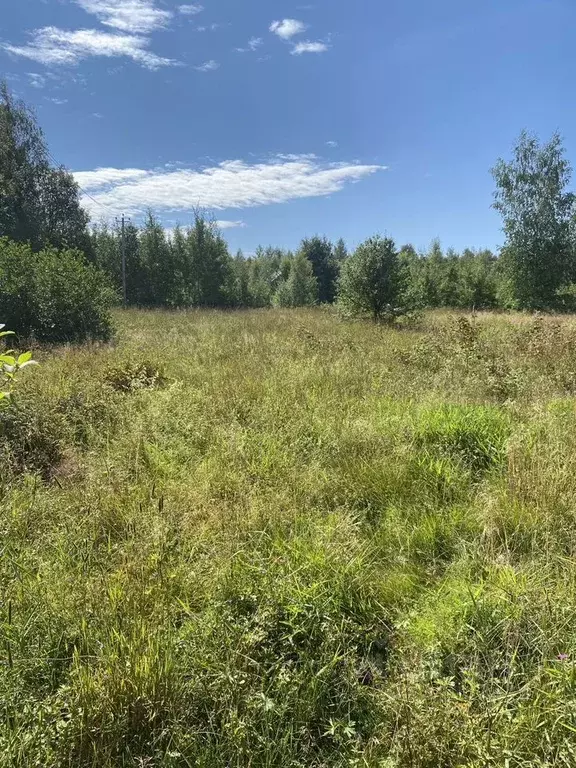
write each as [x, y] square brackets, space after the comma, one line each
[230, 184]
[191, 9]
[253, 44]
[53, 46]
[208, 66]
[309, 47]
[225, 224]
[133, 16]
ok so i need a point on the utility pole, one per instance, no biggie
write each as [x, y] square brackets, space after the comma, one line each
[123, 252]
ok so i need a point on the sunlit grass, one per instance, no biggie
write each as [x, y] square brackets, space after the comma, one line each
[275, 538]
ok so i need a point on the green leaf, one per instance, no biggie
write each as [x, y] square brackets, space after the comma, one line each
[24, 358]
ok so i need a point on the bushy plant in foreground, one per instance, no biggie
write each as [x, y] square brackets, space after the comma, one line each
[53, 296]
[10, 366]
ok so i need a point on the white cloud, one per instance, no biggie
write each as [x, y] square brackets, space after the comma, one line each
[53, 46]
[225, 224]
[190, 10]
[134, 16]
[230, 184]
[208, 66]
[102, 177]
[309, 47]
[57, 101]
[36, 80]
[253, 44]
[332, 144]
[287, 28]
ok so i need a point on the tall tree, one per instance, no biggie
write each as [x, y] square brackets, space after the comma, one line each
[210, 263]
[340, 252]
[300, 288]
[38, 203]
[155, 255]
[240, 295]
[318, 250]
[531, 195]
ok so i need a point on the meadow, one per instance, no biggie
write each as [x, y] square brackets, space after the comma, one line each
[277, 538]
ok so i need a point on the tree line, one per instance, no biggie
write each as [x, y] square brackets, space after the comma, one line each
[192, 266]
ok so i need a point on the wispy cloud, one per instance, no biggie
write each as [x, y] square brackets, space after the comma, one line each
[332, 144]
[102, 177]
[191, 9]
[134, 16]
[53, 46]
[287, 28]
[309, 47]
[56, 101]
[36, 80]
[208, 66]
[230, 184]
[225, 224]
[209, 27]
[253, 44]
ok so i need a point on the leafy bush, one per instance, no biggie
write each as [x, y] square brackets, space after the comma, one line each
[373, 281]
[53, 296]
[134, 376]
[25, 437]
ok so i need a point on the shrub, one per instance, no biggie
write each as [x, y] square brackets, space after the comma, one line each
[300, 289]
[372, 281]
[26, 439]
[53, 296]
[134, 376]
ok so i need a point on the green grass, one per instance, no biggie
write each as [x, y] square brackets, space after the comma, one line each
[274, 538]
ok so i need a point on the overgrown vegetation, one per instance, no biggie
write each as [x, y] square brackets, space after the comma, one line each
[285, 539]
[53, 296]
[360, 556]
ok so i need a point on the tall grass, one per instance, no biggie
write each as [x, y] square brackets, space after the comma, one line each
[273, 538]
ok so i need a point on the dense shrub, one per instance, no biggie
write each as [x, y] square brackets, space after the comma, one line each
[373, 281]
[52, 295]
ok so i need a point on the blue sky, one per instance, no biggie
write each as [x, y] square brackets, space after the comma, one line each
[296, 117]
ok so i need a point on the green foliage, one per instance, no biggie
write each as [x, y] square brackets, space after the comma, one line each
[192, 267]
[537, 213]
[10, 367]
[340, 252]
[52, 295]
[39, 204]
[300, 288]
[319, 252]
[373, 281]
[134, 376]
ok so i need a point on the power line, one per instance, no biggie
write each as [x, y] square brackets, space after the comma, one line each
[60, 165]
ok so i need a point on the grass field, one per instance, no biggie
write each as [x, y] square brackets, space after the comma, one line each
[275, 538]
